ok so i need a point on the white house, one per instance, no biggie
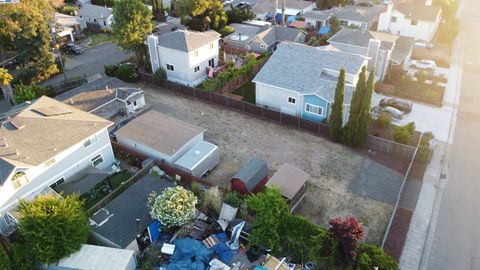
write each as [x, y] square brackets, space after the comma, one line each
[263, 9]
[69, 25]
[300, 80]
[420, 21]
[43, 145]
[102, 16]
[185, 55]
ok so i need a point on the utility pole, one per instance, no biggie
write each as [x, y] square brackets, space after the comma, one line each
[274, 13]
[283, 13]
[53, 30]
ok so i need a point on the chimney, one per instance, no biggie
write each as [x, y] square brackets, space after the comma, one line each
[372, 53]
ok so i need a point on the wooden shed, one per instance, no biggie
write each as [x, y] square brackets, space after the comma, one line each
[251, 178]
[292, 182]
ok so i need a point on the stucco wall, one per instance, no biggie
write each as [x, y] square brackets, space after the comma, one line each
[277, 98]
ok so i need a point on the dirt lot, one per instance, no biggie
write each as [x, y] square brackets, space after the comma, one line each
[332, 166]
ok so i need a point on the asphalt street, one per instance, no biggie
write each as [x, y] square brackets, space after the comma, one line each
[456, 241]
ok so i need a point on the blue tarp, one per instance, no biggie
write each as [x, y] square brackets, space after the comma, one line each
[278, 18]
[223, 251]
[154, 230]
[189, 254]
[324, 30]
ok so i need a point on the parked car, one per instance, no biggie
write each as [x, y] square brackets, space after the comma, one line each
[402, 105]
[425, 64]
[243, 5]
[394, 113]
[227, 2]
[73, 48]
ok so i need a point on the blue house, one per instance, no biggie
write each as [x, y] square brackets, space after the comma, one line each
[300, 80]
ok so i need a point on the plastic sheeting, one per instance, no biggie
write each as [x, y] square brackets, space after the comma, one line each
[189, 254]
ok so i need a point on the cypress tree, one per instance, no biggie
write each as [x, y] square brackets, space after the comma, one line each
[352, 128]
[365, 118]
[336, 119]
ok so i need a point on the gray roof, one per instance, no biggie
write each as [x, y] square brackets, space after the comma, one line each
[43, 130]
[196, 154]
[317, 15]
[361, 38]
[267, 35]
[94, 11]
[264, 6]
[252, 172]
[247, 31]
[357, 13]
[300, 68]
[6, 168]
[121, 227]
[186, 40]
[403, 49]
[102, 83]
[167, 27]
[419, 12]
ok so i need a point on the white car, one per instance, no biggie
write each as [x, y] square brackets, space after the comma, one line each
[425, 64]
[227, 2]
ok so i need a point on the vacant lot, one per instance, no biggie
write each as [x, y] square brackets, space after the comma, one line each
[333, 167]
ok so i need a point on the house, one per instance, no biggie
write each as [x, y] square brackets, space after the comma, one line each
[292, 182]
[363, 17]
[251, 178]
[263, 9]
[261, 39]
[185, 55]
[159, 136]
[91, 257]
[300, 80]
[383, 49]
[417, 20]
[45, 144]
[98, 15]
[119, 223]
[112, 104]
[69, 26]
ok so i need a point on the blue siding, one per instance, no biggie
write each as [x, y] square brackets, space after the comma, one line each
[317, 101]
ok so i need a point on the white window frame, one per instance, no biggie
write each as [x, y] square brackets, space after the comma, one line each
[95, 158]
[93, 139]
[172, 67]
[319, 109]
[20, 181]
[195, 53]
[196, 69]
[292, 100]
[211, 46]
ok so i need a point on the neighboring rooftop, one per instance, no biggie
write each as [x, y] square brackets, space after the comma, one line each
[246, 33]
[121, 227]
[357, 13]
[304, 69]
[252, 172]
[318, 15]
[43, 130]
[167, 27]
[186, 40]
[289, 179]
[419, 12]
[91, 257]
[67, 20]
[160, 132]
[265, 6]
[94, 11]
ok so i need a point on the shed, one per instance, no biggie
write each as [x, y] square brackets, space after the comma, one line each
[292, 182]
[199, 160]
[251, 178]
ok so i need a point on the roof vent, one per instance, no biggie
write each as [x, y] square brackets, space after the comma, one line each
[16, 123]
[71, 101]
[3, 142]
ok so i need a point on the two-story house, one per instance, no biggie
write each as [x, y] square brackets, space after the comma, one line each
[185, 55]
[417, 20]
[300, 80]
[93, 14]
[43, 145]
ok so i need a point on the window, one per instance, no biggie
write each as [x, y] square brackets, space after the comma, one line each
[19, 179]
[90, 141]
[195, 53]
[291, 100]
[9, 219]
[170, 67]
[105, 23]
[343, 23]
[135, 103]
[97, 160]
[197, 68]
[61, 180]
[313, 109]
[211, 45]
[414, 22]
[393, 19]
[95, 20]
[211, 62]
[263, 46]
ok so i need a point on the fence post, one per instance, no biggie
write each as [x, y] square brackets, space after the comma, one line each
[210, 96]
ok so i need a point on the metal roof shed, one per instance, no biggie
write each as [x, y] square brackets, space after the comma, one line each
[251, 177]
[199, 160]
[292, 182]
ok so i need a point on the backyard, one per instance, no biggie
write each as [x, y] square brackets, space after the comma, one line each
[247, 91]
[102, 189]
[334, 168]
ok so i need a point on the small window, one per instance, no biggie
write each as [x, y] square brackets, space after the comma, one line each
[135, 103]
[61, 180]
[19, 179]
[343, 23]
[128, 102]
[393, 19]
[263, 46]
[291, 100]
[170, 67]
[105, 23]
[197, 68]
[95, 20]
[97, 160]
[313, 109]
[9, 219]
[211, 62]
[195, 53]
[90, 141]
[414, 22]
[211, 45]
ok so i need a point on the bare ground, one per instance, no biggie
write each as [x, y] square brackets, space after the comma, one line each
[332, 166]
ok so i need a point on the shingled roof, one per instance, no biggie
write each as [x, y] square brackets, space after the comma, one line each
[186, 40]
[419, 12]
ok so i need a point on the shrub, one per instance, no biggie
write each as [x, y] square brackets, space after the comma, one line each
[410, 127]
[211, 84]
[371, 257]
[127, 73]
[401, 134]
[68, 10]
[111, 70]
[233, 198]
[29, 92]
[424, 152]
[159, 76]
[227, 30]
[384, 120]
[175, 207]
[24, 76]
[347, 231]
[297, 238]
[212, 200]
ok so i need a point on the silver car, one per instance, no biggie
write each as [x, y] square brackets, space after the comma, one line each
[394, 113]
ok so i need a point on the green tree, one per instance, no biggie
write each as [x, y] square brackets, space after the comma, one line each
[4, 260]
[201, 15]
[24, 27]
[352, 127]
[334, 25]
[237, 15]
[174, 207]
[269, 209]
[336, 118]
[53, 227]
[370, 257]
[28, 92]
[5, 77]
[132, 25]
[365, 118]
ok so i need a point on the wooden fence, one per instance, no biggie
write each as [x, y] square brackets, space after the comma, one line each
[64, 87]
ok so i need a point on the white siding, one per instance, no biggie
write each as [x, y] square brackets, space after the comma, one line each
[424, 30]
[277, 98]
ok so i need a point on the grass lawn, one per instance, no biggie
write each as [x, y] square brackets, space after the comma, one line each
[247, 90]
[98, 38]
[117, 179]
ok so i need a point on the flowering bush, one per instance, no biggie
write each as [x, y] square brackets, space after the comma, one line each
[174, 207]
